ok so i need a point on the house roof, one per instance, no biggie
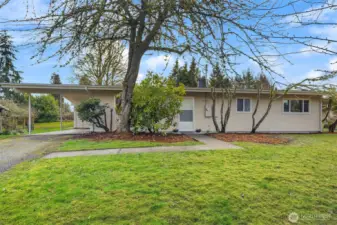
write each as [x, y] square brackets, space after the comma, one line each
[62, 88]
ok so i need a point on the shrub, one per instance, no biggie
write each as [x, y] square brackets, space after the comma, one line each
[156, 102]
[46, 108]
[92, 111]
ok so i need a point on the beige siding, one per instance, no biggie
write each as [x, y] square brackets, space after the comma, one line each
[277, 120]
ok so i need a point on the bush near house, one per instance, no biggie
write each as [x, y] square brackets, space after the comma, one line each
[156, 102]
[93, 111]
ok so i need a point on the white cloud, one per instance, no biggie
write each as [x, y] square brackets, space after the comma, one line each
[161, 62]
[313, 74]
[333, 64]
[140, 77]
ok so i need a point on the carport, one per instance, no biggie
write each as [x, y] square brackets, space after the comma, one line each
[73, 93]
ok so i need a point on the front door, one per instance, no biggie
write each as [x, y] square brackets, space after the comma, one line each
[186, 116]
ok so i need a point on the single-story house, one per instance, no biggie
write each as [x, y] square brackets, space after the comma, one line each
[296, 112]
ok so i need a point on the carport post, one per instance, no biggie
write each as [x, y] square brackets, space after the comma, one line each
[61, 112]
[29, 115]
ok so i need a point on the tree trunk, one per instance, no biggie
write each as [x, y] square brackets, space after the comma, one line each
[223, 129]
[213, 94]
[332, 127]
[255, 110]
[264, 116]
[128, 86]
[328, 111]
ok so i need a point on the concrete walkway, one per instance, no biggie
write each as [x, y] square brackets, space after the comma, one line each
[209, 144]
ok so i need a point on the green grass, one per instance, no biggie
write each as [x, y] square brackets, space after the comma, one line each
[52, 126]
[2, 136]
[262, 184]
[85, 144]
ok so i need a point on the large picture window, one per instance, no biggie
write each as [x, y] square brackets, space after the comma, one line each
[296, 106]
[243, 105]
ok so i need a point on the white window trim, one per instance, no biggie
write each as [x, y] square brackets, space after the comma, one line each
[236, 105]
[296, 113]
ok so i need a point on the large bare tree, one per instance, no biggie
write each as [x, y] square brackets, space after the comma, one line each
[255, 30]
[102, 64]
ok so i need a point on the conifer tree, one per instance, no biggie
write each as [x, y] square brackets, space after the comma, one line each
[8, 72]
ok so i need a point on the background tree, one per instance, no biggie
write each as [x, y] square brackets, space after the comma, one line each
[251, 30]
[175, 71]
[84, 80]
[46, 108]
[187, 75]
[93, 111]
[8, 72]
[218, 78]
[55, 78]
[156, 103]
[330, 108]
[193, 74]
[103, 64]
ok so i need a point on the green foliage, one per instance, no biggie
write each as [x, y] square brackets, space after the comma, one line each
[218, 78]
[46, 108]
[92, 111]
[184, 75]
[55, 79]
[8, 72]
[155, 103]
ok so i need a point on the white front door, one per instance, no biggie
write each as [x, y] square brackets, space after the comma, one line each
[186, 116]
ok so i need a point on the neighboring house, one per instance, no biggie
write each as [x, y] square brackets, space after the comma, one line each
[297, 112]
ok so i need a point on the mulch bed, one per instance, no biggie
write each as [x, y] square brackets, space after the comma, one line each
[169, 138]
[256, 138]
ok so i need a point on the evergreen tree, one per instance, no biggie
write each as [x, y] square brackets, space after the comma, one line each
[193, 74]
[218, 79]
[8, 72]
[248, 79]
[264, 81]
[183, 76]
[175, 71]
[55, 79]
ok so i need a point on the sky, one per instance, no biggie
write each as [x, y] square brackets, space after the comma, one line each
[297, 67]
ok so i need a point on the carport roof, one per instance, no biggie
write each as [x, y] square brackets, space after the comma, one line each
[66, 88]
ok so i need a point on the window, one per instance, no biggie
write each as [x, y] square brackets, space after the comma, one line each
[186, 116]
[243, 105]
[296, 106]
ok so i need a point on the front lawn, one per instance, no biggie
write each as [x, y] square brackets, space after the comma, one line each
[262, 184]
[52, 126]
[85, 144]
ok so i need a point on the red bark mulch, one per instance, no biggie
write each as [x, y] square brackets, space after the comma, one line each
[169, 138]
[256, 138]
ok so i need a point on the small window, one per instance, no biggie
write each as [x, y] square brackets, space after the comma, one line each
[243, 105]
[186, 116]
[296, 106]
